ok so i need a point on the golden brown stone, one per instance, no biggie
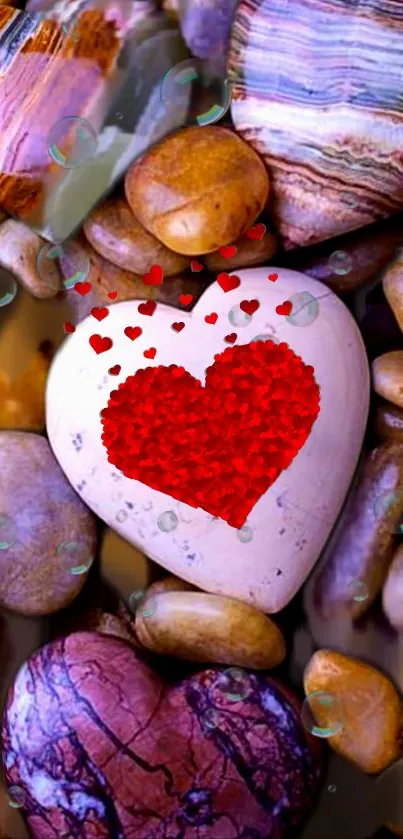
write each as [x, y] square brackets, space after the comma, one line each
[198, 190]
[170, 583]
[387, 377]
[41, 513]
[22, 402]
[249, 252]
[209, 628]
[392, 595]
[19, 248]
[388, 421]
[371, 709]
[115, 233]
[393, 288]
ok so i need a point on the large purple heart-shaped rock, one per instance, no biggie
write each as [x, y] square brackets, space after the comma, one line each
[102, 747]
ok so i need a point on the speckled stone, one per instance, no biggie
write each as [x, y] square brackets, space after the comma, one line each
[42, 512]
[323, 109]
[121, 753]
[19, 248]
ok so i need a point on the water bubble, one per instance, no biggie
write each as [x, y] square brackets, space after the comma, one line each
[358, 591]
[121, 516]
[75, 557]
[72, 142]
[8, 532]
[332, 788]
[17, 796]
[234, 684]
[210, 719]
[340, 262]
[238, 318]
[209, 95]
[142, 604]
[305, 309]
[167, 521]
[389, 502]
[266, 336]
[245, 533]
[322, 714]
[65, 264]
[8, 286]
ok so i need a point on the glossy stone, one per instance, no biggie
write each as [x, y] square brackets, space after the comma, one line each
[115, 233]
[330, 131]
[387, 377]
[22, 401]
[392, 284]
[249, 252]
[198, 189]
[289, 524]
[19, 247]
[371, 708]
[40, 515]
[392, 595]
[138, 756]
[388, 421]
[209, 628]
[362, 545]
[206, 27]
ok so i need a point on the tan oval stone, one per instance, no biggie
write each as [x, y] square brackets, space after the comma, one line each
[41, 514]
[22, 401]
[115, 233]
[198, 190]
[170, 583]
[387, 376]
[392, 595]
[208, 627]
[393, 288]
[389, 421]
[19, 248]
[249, 252]
[371, 708]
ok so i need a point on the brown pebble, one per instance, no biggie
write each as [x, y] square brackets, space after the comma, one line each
[393, 287]
[392, 595]
[22, 401]
[388, 421]
[115, 233]
[249, 252]
[19, 248]
[371, 709]
[387, 377]
[363, 550]
[40, 512]
[198, 190]
[170, 583]
[208, 628]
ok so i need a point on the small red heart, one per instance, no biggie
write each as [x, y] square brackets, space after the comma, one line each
[68, 327]
[155, 276]
[227, 282]
[284, 308]
[249, 306]
[114, 371]
[211, 318]
[196, 266]
[100, 344]
[147, 308]
[100, 313]
[227, 251]
[256, 232]
[112, 295]
[82, 288]
[133, 332]
[272, 277]
[178, 326]
[151, 353]
[185, 299]
[230, 339]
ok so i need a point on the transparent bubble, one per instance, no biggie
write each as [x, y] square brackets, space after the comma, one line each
[265, 336]
[167, 521]
[192, 81]
[305, 309]
[17, 797]
[332, 788]
[71, 142]
[62, 265]
[239, 318]
[121, 516]
[245, 533]
[358, 591]
[185, 513]
[322, 714]
[384, 503]
[142, 604]
[8, 286]
[340, 262]
[74, 557]
[210, 719]
[234, 684]
[8, 532]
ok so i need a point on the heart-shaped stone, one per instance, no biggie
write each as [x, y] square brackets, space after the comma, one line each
[288, 525]
[119, 753]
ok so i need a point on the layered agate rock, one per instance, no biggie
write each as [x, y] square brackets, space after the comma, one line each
[99, 745]
[317, 92]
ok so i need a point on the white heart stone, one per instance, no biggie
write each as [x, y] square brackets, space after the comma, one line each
[289, 525]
